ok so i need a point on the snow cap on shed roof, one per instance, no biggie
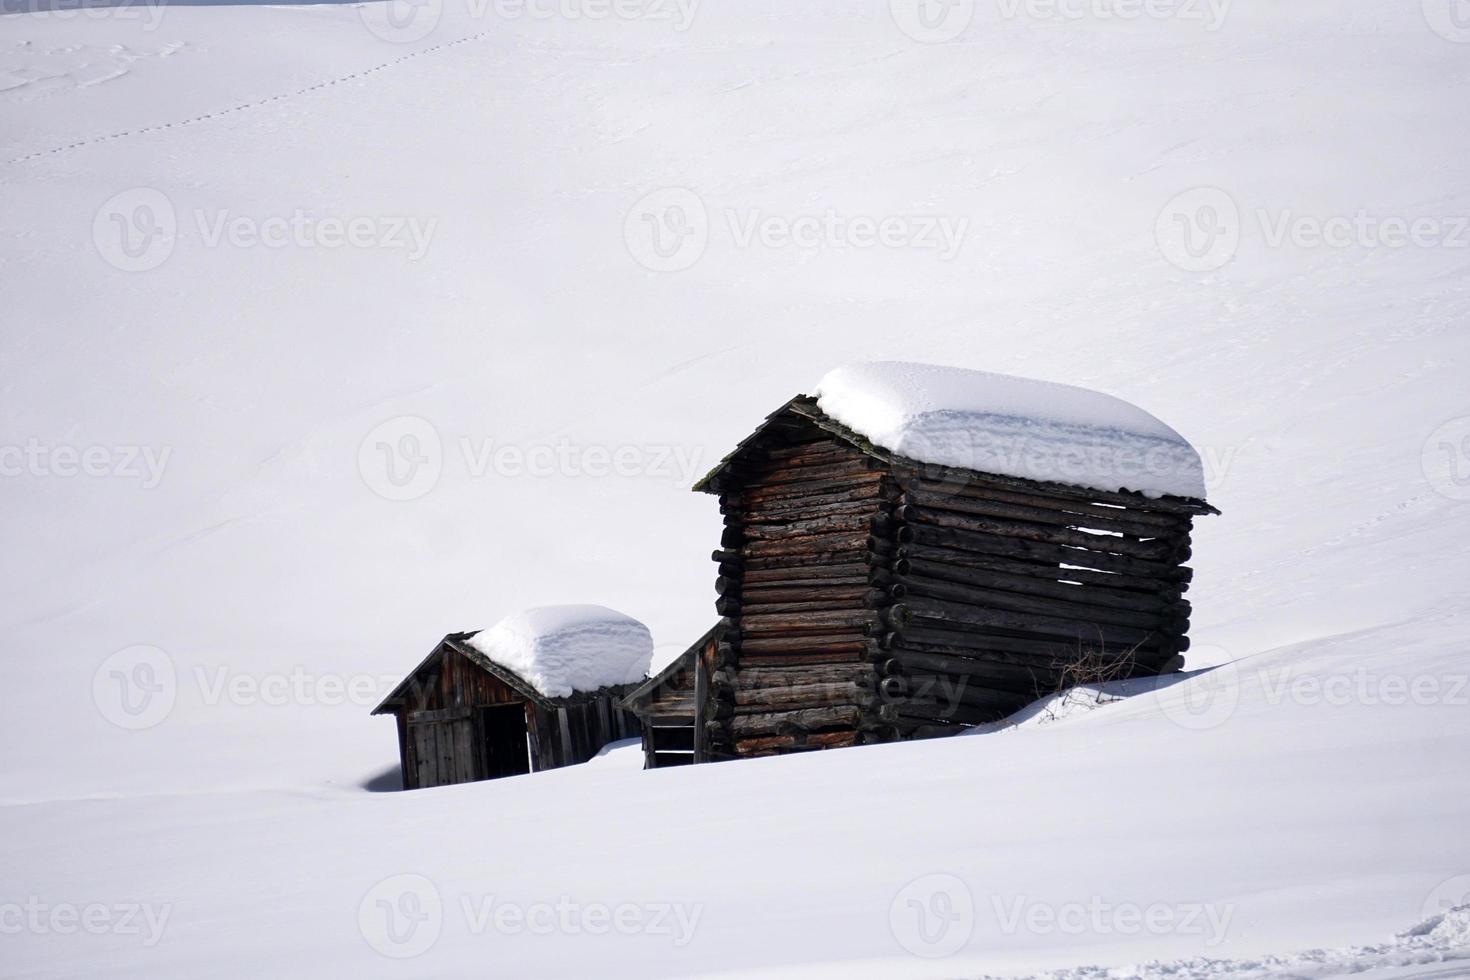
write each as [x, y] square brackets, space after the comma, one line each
[564, 650]
[996, 423]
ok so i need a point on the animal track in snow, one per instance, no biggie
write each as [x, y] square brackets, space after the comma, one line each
[243, 106]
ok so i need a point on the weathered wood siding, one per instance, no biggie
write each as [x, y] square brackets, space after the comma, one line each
[671, 713]
[569, 734]
[454, 726]
[796, 668]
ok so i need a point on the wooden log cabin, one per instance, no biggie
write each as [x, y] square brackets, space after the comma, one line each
[463, 716]
[869, 597]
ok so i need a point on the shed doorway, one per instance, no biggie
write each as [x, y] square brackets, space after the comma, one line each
[504, 748]
[441, 747]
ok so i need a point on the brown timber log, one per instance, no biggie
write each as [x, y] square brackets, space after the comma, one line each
[752, 622]
[809, 591]
[957, 558]
[1024, 649]
[964, 618]
[834, 643]
[815, 544]
[801, 509]
[946, 689]
[767, 745]
[810, 475]
[805, 719]
[843, 524]
[1080, 610]
[961, 714]
[1032, 681]
[860, 486]
[1155, 549]
[1121, 521]
[918, 569]
[989, 544]
[798, 696]
[830, 740]
[758, 677]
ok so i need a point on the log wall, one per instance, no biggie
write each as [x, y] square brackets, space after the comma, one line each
[796, 669]
[1005, 591]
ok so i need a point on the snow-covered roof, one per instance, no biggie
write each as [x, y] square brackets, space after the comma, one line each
[996, 423]
[564, 650]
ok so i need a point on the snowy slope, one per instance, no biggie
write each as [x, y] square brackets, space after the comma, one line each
[589, 240]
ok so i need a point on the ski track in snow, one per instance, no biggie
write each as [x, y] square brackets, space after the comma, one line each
[1437, 948]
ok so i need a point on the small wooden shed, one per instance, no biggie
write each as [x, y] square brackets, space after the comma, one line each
[463, 717]
[668, 703]
[869, 597]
